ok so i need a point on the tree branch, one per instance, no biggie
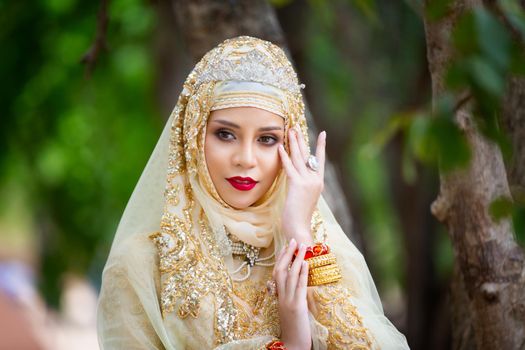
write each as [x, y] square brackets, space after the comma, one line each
[91, 56]
[495, 8]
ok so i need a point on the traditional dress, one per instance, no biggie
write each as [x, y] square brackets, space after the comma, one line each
[187, 271]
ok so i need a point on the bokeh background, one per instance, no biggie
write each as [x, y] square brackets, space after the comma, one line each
[75, 137]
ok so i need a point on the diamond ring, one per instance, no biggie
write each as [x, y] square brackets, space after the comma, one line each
[312, 163]
[271, 286]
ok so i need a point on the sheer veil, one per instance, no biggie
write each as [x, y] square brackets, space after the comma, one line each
[172, 212]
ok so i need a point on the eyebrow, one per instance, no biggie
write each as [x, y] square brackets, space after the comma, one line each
[233, 125]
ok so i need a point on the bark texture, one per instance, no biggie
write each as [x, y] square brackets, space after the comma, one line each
[490, 310]
[513, 121]
[206, 23]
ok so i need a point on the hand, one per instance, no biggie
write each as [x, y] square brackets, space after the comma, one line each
[291, 293]
[304, 185]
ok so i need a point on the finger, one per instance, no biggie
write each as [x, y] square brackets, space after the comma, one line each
[287, 163]
[293, 274]
[278, 258]
[302, 144]
[303, 281]
[295, 153]
[281, 267]
[284, 261]
[320, 151]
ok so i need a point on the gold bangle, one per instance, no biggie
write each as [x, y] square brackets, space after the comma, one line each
[321, 270]
[321, 260]
[324, 274]
[325, 280]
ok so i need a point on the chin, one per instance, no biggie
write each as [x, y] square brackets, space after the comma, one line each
[240, 206]
[237, 204]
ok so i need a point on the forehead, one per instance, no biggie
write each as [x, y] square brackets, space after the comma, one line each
[246, 117]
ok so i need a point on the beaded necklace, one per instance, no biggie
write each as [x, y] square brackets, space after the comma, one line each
[250, 255]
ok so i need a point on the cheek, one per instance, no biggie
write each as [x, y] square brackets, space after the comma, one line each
[213, 155]
[272, 162]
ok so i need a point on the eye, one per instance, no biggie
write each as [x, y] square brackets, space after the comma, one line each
[224, 135]
[268, 140]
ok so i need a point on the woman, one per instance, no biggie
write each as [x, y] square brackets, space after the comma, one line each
[210, 252]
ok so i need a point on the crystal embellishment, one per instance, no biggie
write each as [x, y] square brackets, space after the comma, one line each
[249, 59]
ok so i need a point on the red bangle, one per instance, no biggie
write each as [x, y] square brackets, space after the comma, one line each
[275, 345]
[315, 250]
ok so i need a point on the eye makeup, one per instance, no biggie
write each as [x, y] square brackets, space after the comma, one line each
[227, 135]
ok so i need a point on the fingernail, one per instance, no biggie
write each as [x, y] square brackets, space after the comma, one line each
[301, 246]
[323, 133]
[292, 241]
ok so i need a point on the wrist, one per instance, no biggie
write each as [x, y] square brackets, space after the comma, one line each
[301, 234]
[305, 238]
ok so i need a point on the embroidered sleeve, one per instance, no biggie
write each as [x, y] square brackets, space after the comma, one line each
[332, 307]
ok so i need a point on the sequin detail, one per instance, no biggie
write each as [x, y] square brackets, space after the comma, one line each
[188, 275]
[241, 59]
[258, 314]
[337, 313]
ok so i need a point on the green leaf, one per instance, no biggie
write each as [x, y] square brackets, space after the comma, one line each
[437, 9]
[485, 76]
[494, 40]
[453, 149]
[501, 208]
[517, 61]
[438, 141]
[464, 35]
[518, 220]
[457, 76]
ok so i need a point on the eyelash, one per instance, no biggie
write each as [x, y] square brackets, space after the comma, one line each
[220, 134]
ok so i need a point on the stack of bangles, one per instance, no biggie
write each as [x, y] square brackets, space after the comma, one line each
[322, 265]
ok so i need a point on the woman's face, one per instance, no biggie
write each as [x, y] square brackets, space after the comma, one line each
[241, 153]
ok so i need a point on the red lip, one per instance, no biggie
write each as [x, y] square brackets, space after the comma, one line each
[242, 183]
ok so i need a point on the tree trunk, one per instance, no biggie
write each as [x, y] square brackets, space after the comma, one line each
[206, 23]
[513, 121]
[490, 264]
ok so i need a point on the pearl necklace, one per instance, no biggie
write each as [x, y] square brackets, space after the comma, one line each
[250, 255]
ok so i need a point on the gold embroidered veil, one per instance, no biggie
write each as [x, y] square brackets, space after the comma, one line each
[168, 284]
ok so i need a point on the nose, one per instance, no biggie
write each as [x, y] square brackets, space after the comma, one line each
[245, 156]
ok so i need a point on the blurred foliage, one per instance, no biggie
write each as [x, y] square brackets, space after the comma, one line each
[363, 60]
[76, 145]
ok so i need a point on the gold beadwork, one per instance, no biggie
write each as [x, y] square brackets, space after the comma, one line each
[337, 313]
[262, 316]
[317, 227]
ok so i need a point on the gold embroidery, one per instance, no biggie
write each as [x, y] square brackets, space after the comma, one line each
[336, 312]
[258, 312]
[188, 275]
[317, 226]
[190, 263]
